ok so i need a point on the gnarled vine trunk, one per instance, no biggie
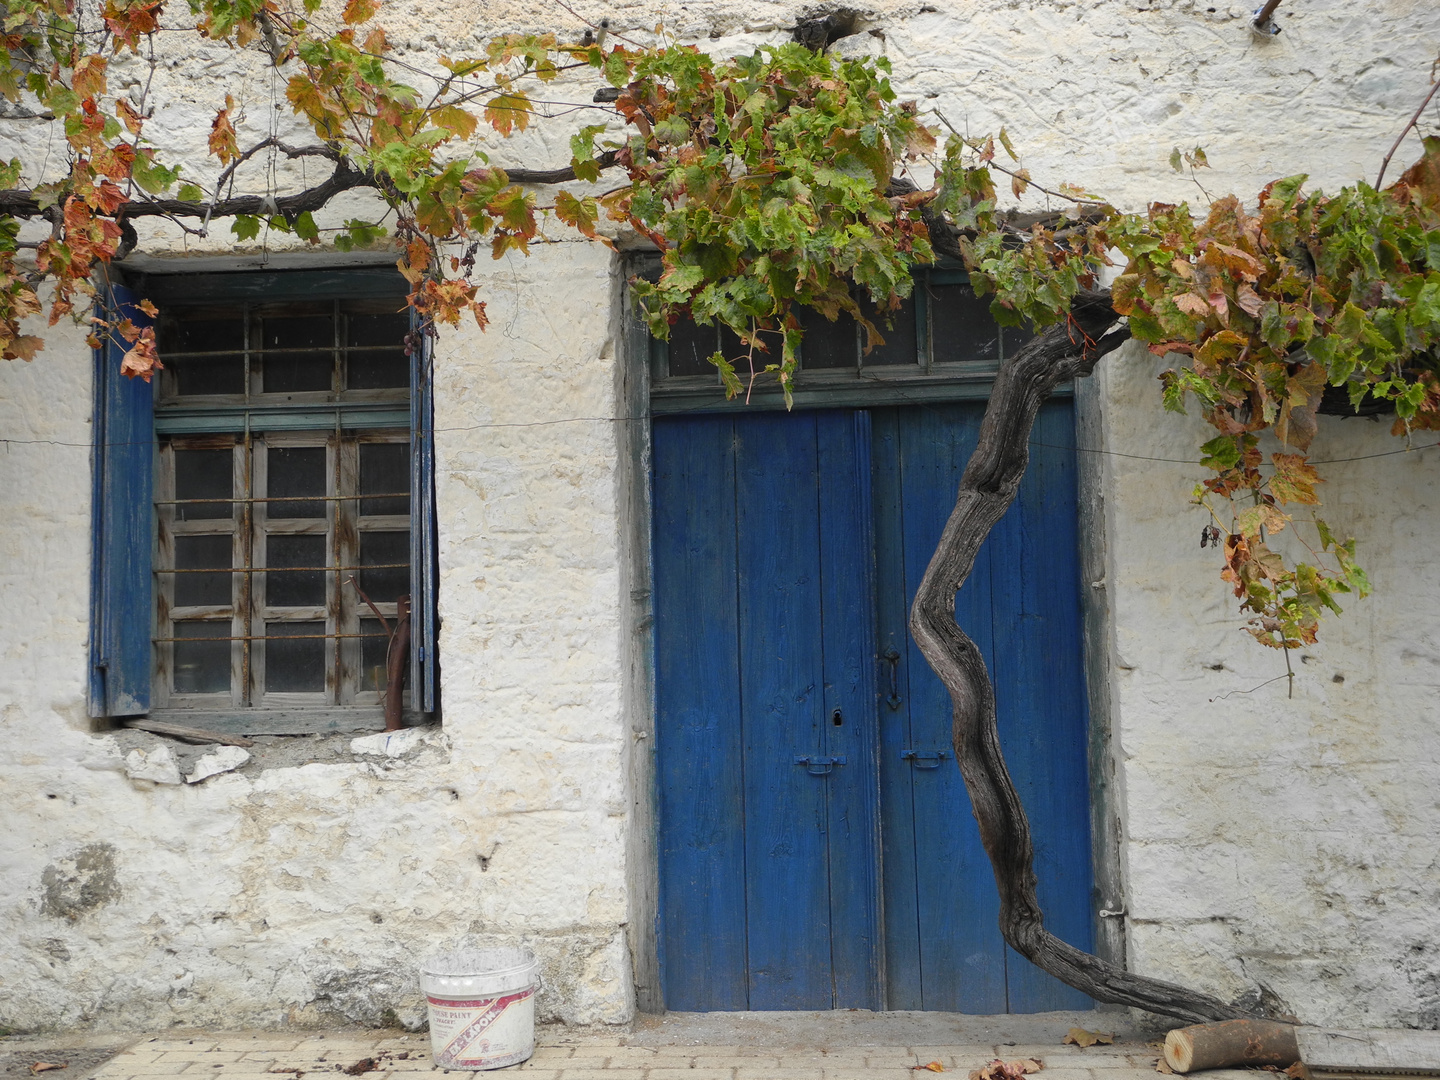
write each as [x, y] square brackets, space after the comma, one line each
[987, 488]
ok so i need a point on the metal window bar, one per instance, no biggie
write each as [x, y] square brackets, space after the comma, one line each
[289, 498]
[261, 637]
[277, 569]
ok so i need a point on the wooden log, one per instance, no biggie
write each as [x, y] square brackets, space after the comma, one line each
[1331, 1054]
[1234, 1042]
[189, 734]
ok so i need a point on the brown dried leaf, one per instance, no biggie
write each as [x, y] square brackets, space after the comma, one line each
[1161, 1067]
[47, 1066]
[1080, 1037]
[933, 1066]
[360, 1067]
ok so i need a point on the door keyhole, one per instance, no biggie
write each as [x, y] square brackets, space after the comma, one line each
[837, 719]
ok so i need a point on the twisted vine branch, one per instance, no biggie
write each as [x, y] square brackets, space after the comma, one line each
[988, 487]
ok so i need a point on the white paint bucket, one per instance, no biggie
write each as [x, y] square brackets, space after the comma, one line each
[482, 1007]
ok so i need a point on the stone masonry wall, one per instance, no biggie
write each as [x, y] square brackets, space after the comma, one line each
[1271, 844]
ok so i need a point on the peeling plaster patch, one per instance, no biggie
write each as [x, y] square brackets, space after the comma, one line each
[157, 766]
[79, 883]
[374, 997]
[218, 761]
[421, 745]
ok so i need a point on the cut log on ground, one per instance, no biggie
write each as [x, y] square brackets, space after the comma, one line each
[1234, 1042]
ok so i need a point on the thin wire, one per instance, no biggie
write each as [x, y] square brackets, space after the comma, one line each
[629, 419]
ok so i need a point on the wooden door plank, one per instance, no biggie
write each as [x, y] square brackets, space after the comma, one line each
[699, 778]
[787, 887]
[897, 806]
[1038, 670]
[961, 951]
[848, 712]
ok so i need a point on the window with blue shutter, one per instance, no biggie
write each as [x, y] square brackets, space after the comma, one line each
[265, 511]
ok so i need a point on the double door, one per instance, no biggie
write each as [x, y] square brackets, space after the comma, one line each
[815, 841]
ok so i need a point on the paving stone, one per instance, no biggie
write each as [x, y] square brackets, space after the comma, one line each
[781, 1073]
[735, 1061]
[690, 1074]
[602, 1074]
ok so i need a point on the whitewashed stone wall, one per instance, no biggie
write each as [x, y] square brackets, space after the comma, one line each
[1269, 842]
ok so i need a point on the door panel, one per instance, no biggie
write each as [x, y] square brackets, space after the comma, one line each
[780, 611]
[959, 960]
[1040, 696]
[700, 766]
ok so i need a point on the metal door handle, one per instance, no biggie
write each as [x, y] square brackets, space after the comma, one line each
[892, 658]
[820, 766]
[925, 759]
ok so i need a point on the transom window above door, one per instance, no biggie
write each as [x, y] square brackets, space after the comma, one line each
[941, 344]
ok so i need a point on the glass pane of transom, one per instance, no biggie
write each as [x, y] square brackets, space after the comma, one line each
[376, 359]
[204, 482]
[385, 469]
[298, 353]
[199, 553]
[385, 557]
[292, 472]
[294, 657]
[961, 326]
[690, 347]
[898, 329]
[294, 577]
[202, 663]
[827, 344]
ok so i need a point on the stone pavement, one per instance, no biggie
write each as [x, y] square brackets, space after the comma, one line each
[715, 1046]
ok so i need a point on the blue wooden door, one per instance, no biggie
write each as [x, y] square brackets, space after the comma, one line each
[815, 841]
[768, 788]
[1021, 606]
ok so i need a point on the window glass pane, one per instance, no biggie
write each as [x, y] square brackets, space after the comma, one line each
[377, 368]
[374, 650]
[293, 372]
[202, 553]
[295, 666]
[690, 347]
[203, 474]
[202, 666]
[223, 373]
[297, 588]
[389, 553]
[737, 352]
[961, 327]
[827, 344]
[292, 471]
[385, 468]
[898, 329]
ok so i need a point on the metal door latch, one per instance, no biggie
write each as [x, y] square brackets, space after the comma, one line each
[925, 759]
[820, 766]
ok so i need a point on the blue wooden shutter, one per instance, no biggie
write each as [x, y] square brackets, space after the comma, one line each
[122, 515]
[423, 667]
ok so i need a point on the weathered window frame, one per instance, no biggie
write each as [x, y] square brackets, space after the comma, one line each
[136, 433]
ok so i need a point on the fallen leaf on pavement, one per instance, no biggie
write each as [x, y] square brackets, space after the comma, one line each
[364, 1065]
[1161, 1067]
[933, 1066]
[1007, 1070]
[1298, 1071]
[46, 1066]
[1081, 1037]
